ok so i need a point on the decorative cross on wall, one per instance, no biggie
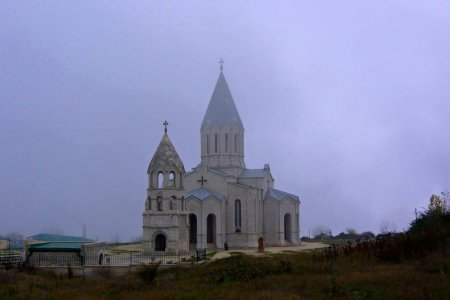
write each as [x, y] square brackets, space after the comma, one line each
[202, 181]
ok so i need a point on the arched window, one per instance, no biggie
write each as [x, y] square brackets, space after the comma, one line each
[237, 215]
[183, 204]
[160, 203]
[173, 203]
[226, 142]
[160, 180]
[211, 229]
[207, 144]
[216, 143]
[172, 178]
[192, 229]
[235, 143]
[287, 228]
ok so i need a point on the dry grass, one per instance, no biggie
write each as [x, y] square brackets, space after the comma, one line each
[282, 276]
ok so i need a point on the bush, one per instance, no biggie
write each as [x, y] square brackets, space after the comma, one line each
[246, 268]
[147, 273]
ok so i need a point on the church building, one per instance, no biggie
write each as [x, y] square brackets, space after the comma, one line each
[220, 201]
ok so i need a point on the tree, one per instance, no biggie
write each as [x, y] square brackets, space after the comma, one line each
[368, 235]
[137, 239]
[351, 231]
[16, 239]
[435, 221]
[321, 232]
[439, 204]
[387, 226]
[115, 239]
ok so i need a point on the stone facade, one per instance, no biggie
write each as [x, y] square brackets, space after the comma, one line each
[165, 217]
[220, 201]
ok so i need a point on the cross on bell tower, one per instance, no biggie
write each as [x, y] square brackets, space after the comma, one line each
[165, 126]
[221, 62]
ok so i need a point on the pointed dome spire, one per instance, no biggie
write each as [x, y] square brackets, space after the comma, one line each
[221, 108]
[166, 155]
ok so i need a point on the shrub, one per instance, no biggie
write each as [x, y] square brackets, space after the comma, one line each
[147, 273]
[246, 268]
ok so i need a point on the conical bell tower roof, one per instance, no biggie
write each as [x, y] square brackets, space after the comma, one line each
[221, 109]
[166, 156]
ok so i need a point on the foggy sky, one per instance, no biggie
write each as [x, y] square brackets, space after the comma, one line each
[349, 102]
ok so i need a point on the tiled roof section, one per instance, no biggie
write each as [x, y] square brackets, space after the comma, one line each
[58, 238]
[221, 108]
[166, 155]
[203, 194]
[57, 246]
[253, 173]
[279, 195]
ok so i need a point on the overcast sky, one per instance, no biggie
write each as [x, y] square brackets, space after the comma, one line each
[349, 102]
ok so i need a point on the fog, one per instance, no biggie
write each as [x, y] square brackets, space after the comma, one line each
[348, 101]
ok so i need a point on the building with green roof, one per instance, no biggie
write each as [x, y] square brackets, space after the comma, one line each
[46, 249]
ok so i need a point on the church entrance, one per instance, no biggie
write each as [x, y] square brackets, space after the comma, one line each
[211, 229]
[287, 228]
[160, 242]
[193, 230]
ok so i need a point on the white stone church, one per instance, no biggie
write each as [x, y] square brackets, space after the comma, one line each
[220, 201]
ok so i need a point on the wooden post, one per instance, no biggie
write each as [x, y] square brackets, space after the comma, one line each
[261, 245]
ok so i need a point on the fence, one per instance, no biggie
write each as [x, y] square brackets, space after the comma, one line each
[10, 259]
[117, 259]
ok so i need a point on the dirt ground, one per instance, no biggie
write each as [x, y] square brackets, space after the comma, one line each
[304, 246]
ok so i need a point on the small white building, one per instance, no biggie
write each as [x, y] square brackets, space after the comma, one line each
[221, 200]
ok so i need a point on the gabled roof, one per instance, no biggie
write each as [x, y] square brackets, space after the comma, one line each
[58, 238]
[253, 173]
[279, 195]
[218, 171]
[166, 154]
[203, 194]
[221, 109]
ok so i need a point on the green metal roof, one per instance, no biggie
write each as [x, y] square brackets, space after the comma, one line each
[58, 238]
[56, 246]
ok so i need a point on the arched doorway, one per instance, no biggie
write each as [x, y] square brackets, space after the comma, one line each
[160, 242]
[211, 229]
[287, 228]
[192, 229]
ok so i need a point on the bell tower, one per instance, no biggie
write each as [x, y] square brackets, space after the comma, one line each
[222, 131]
[165, 226]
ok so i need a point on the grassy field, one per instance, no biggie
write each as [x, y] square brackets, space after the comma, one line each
[280, 276]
